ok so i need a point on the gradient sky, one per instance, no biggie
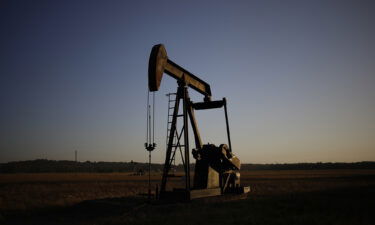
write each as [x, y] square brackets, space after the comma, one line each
[299, 77]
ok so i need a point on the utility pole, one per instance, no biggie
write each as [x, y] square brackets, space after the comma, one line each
[75, 153]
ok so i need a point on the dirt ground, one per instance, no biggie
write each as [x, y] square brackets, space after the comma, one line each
[277, 197]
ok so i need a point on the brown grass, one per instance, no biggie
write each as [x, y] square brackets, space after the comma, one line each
[36, 191]
[272, 182]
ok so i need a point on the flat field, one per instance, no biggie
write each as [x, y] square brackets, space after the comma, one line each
[277, 197]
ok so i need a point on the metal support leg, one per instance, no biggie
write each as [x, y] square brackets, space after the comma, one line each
[186, 140]
[227, 122]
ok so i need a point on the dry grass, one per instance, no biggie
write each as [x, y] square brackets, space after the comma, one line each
[273, 182]
[36, 191]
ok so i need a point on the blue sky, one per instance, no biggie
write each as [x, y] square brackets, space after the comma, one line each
[299, 77]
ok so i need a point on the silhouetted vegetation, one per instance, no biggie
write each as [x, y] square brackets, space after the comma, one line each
[65, 166]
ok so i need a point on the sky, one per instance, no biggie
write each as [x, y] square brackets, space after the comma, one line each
[299, 77]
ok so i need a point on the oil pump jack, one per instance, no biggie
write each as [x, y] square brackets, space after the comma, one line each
[216, 168]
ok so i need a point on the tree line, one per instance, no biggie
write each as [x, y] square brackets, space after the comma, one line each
[65, 166]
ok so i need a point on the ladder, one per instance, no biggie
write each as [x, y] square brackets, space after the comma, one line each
[171, 101]
[176, 136]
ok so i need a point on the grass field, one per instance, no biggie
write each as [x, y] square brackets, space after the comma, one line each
[277, 197]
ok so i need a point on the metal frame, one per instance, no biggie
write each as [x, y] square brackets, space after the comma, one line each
[182, 96]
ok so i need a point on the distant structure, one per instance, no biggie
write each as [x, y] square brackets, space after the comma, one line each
[140, 172]
[75, 154]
